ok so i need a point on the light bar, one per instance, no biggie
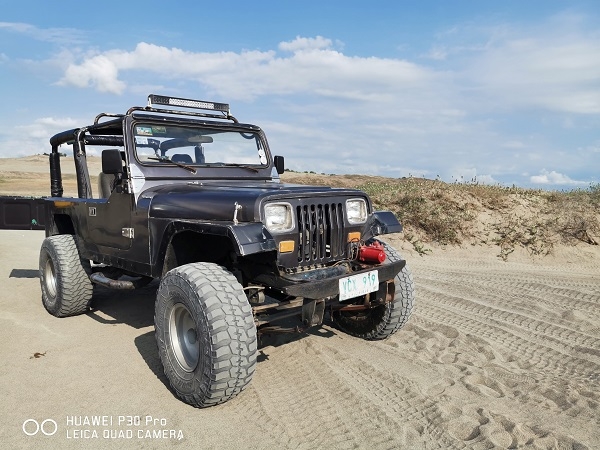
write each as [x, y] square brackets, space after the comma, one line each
[186, 103]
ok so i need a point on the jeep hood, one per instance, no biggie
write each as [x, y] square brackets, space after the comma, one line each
[217, 201]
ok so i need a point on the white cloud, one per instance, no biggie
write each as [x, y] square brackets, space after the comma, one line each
[99, 71]
[594, 147]
[313, 69]
[61, 36]
[34, 138]
[59, 122]
[486, 179]
[470, 175]
[555, 178]
[437, 54]
[302, 43]
[553, 67]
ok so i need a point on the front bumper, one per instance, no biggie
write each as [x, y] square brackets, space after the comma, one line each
[329, 286]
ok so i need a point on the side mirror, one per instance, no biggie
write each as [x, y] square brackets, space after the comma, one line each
[111, 161]
[279, 164]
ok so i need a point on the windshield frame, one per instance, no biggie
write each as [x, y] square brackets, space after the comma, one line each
[221, 169]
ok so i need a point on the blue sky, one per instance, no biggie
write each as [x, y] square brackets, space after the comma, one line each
[507, 92]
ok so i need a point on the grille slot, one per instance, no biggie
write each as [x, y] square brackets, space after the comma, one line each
[321, 233]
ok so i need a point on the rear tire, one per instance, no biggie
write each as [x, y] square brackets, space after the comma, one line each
[384, 320]
[64, 277]
[205, 334]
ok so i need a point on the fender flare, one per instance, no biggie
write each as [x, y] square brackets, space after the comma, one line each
[381, 222]
[246, 238]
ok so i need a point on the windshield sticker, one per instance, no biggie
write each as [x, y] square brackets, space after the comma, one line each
[141, 140]
[144, 131]
[159, 130]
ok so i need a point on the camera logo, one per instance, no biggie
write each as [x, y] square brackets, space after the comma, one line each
[48, 427]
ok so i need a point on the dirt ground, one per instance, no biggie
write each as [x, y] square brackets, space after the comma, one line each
[496, 355]
[30, 176]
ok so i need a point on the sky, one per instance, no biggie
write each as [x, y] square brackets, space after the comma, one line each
[494, 92]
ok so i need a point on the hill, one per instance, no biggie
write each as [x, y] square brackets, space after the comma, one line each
[434, 214]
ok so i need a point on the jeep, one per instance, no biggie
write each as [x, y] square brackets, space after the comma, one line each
[192, 197]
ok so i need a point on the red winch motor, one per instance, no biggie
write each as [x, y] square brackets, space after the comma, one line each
[373, 253]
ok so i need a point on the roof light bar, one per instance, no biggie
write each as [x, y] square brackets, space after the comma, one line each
[187, 103]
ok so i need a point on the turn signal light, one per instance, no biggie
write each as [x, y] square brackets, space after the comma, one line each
[354, 237]
[286, 246]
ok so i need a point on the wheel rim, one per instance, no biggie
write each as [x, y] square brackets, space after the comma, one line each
[184, 339]
[50, 278]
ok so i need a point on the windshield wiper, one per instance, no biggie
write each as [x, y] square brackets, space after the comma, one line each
[243, 166]
[178, 164]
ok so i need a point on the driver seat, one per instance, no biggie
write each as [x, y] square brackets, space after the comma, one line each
[182, 158]
[108, 182]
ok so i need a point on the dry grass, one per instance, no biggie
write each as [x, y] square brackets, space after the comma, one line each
[437, 213]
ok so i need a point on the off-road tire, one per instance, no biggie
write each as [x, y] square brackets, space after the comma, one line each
[64, 277]
[384, 320]
[205, 333]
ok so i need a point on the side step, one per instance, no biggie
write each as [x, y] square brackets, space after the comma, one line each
[99, 278]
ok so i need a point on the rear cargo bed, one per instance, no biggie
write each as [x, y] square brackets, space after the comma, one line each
[22, 213]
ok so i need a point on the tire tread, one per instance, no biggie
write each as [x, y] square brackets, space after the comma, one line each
[232, 333]
[74, 288]
[397, 313]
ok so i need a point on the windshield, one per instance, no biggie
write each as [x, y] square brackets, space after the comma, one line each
[198, 145]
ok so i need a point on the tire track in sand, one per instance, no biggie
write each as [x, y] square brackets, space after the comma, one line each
[300, 402]
[557, 293]
[512, 310]
[530, 346]
[435, 415]
[564, 359]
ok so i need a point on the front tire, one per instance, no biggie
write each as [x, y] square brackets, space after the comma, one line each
[383, 320]
[64, 277]
[205, 334]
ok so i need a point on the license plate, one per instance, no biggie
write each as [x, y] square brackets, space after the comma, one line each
[357, 285]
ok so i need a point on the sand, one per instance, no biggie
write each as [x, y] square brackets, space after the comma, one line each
[497, 355]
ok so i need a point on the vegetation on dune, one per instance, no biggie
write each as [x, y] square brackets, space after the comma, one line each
[435, 212]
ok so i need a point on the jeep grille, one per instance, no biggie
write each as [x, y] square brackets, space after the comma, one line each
[321, 233]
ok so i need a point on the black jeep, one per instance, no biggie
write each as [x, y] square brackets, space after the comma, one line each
[194, 198]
